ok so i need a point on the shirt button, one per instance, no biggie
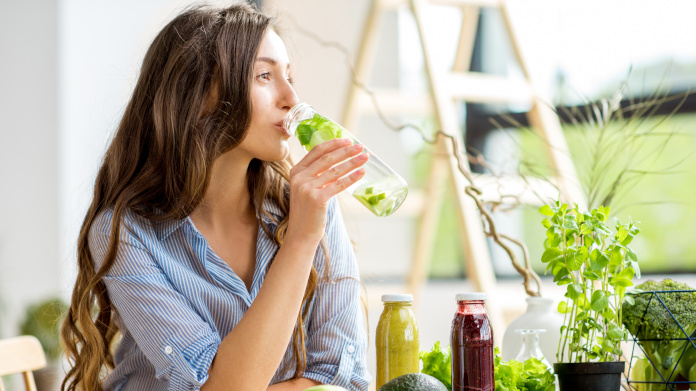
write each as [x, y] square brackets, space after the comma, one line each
[350, 349]
[168, 349]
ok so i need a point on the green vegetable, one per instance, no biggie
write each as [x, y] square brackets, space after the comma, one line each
[438, 364]
[414, 382]
[531, 375]
[656, 323]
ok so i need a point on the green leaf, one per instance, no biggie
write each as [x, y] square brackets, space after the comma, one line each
[608, 346]
[598, 260]
[563, 307]
[616, 257]
[437, 363]
[546, 223]
[621, 235]
[574, 291]
[636, 267]
[558, 267]
[600, 301]
[570, 225]
[631, 255]
[546, 210]
[591, 275]
[550, 254]
[304, 133]
[574, 259]
[627, 273]
[615, 332]
[561, 272]
[620, 282]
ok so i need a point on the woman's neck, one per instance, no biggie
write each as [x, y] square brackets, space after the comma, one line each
[227, 200]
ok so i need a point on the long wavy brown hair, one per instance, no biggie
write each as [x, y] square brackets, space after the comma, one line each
[158, 164]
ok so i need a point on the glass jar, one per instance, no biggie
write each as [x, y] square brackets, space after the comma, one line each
[398, 342]
[381, 190]
[530, 346]
[541, 313]
[472, 345]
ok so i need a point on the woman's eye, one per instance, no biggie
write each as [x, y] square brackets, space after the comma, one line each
[265, 76]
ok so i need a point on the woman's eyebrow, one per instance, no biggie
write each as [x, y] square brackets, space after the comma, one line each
[270, 60]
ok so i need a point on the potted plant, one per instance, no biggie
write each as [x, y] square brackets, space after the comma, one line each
[43, 321]
[597, 267]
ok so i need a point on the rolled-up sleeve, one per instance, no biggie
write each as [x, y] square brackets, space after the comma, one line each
[337, 342]
[178, 343]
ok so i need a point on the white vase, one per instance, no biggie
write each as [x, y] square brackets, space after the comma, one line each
[541, 314]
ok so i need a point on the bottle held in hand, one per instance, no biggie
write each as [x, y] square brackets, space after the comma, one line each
[381, 190]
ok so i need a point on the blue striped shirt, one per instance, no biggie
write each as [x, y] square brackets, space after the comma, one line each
[176, 300]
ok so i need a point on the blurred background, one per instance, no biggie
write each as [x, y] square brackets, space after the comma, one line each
[68, 68]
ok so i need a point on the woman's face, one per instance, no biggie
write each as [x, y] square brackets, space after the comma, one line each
[272, 96]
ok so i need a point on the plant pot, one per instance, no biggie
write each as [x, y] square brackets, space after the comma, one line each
[595, 376]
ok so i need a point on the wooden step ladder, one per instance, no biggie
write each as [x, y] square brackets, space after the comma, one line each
[445, 91]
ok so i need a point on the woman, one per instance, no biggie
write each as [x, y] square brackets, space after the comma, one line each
[220, 266]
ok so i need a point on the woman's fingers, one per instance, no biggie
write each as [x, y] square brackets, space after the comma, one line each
[319, 151]
[331, 159]
[337, 171]
[341, 184]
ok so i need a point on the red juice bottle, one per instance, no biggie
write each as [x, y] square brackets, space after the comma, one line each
[472, 345]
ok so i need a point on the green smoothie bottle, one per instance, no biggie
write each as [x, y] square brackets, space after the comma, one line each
[397, 343]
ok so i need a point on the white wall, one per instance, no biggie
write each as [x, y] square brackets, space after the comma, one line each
[29, 175]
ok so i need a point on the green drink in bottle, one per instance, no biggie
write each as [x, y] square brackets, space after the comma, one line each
[381, 190]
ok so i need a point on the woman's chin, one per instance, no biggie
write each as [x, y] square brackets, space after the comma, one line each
[278, 154]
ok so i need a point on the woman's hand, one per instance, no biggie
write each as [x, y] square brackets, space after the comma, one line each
[317, 178]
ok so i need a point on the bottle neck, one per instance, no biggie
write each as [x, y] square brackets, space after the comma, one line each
[397, 304]
[299, 112]
[471, 307]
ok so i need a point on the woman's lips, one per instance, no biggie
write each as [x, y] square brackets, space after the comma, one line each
[280, 126]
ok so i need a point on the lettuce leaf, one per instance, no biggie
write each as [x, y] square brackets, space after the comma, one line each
[532, 375]
[438, 364]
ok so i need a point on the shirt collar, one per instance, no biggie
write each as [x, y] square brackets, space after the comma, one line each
[165, 228]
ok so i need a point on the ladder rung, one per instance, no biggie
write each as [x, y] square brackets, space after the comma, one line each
[483, 88]
[394, 102]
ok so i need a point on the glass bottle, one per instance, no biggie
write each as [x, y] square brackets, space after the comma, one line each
[530, 346]
[541, 313]
[472, 345]
[397, 339]
[381, 190]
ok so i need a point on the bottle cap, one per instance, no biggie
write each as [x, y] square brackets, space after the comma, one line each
[471, 296]
[397, 297]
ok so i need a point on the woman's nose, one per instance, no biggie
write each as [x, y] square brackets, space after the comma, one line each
[289, 97]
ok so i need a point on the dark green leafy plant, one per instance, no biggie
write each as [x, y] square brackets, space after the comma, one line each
[659, 332]
[43, 321]
[597, 266]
